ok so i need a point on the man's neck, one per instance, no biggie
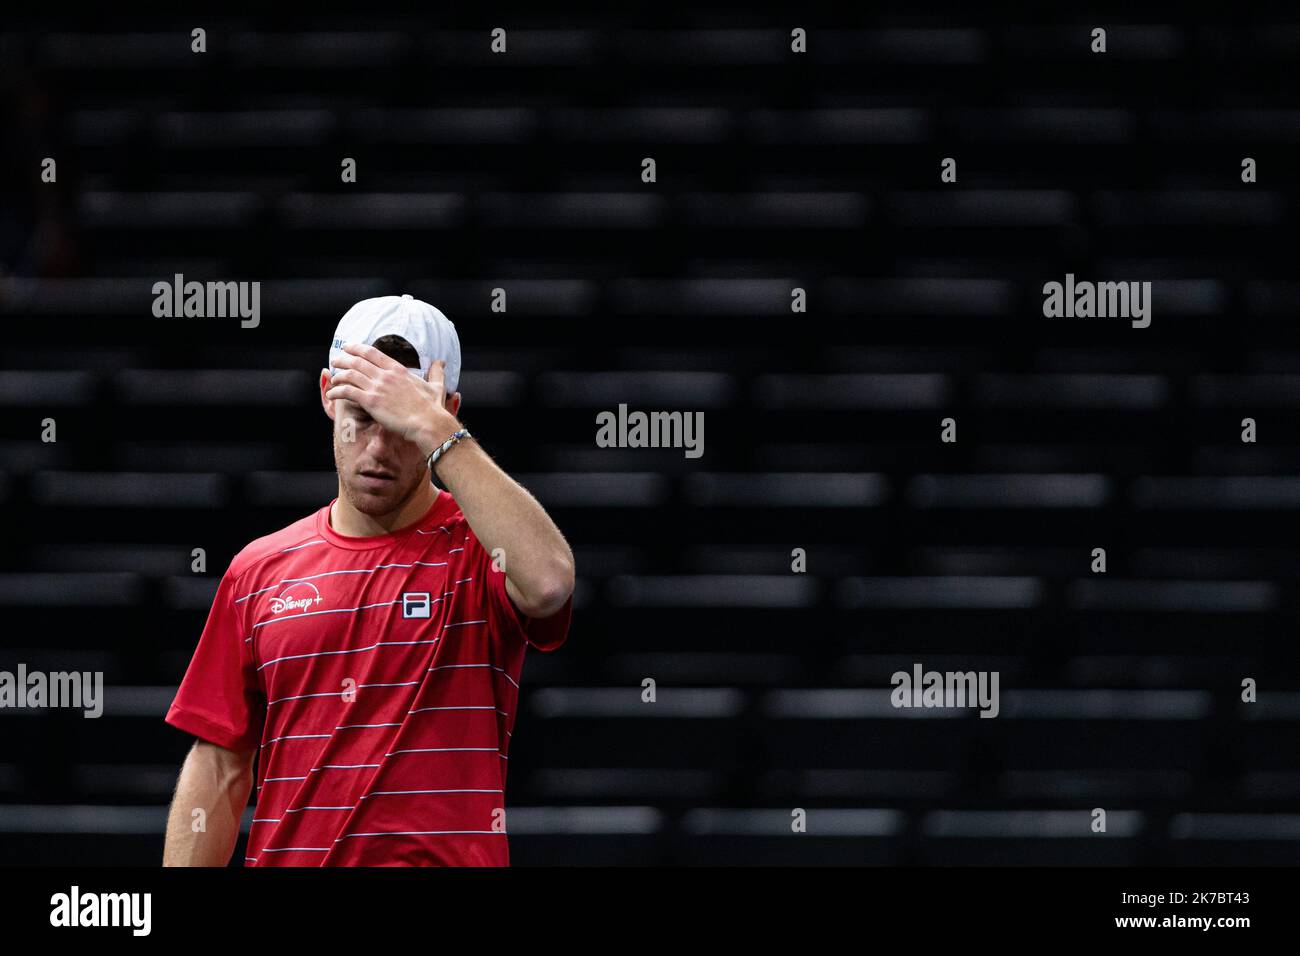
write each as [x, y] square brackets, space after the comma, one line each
[347, 520]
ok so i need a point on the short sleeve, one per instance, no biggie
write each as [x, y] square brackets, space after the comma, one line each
[221, 698]
[543, 633]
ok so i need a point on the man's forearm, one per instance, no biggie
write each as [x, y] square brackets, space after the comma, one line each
[537, 560]
[216, 781]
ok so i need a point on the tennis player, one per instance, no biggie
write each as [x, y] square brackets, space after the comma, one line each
[366, 658]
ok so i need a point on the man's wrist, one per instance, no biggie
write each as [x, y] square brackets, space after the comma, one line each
[436, 432]
[440, 453]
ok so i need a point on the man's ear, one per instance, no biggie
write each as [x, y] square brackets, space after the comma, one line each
[452, 403]
[326, 403]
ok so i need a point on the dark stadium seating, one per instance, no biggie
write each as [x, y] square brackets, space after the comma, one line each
[1119, 691]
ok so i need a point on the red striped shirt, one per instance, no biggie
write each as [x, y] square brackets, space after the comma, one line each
[380, 677]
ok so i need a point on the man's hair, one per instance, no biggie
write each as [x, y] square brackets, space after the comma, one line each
[396, 347]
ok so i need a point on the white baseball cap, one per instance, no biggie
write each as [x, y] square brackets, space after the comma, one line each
[430, 332]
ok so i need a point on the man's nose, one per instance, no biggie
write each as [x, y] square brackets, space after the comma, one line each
[382, 444]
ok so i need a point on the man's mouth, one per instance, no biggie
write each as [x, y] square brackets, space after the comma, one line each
[376, 477]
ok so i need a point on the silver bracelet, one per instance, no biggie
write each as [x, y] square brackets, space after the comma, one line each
[442, 449]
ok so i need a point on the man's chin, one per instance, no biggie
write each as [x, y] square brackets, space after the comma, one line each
[376, 504]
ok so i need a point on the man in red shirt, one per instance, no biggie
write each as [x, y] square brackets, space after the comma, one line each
[367, 656]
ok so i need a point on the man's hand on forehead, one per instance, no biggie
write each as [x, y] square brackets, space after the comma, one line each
[392, 396]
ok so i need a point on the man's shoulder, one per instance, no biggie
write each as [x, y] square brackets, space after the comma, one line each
[300, 534]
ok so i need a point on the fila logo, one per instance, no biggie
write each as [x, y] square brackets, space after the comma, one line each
[416, 604]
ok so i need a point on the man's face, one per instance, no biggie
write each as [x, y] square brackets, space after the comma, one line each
[379, 470]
